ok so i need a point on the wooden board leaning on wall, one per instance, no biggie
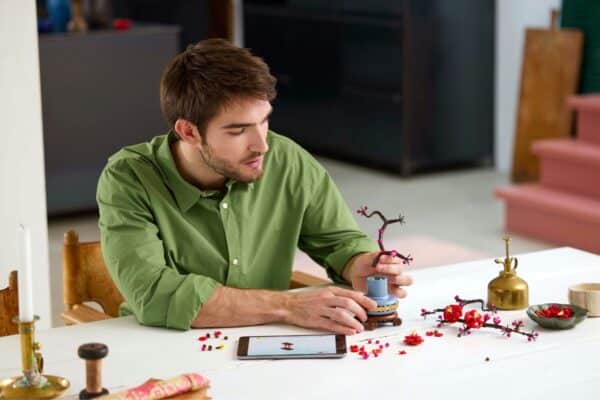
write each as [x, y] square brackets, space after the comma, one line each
[550, 73]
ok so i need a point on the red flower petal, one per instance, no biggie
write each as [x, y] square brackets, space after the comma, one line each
[473, 319]
[413, 339]
[453, 312]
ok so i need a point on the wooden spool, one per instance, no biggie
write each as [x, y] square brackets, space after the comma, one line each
[93, 353]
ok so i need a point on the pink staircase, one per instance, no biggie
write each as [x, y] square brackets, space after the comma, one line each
[564, 208]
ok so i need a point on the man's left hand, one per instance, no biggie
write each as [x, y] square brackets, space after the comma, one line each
[361, 266]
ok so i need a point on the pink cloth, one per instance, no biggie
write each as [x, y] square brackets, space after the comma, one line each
[156, 390]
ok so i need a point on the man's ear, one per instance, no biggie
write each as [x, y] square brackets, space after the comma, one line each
[187, 131]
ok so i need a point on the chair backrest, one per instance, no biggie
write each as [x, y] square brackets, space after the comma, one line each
[85, 276]
[9, 306]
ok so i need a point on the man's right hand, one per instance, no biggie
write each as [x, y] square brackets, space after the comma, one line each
[330, 308]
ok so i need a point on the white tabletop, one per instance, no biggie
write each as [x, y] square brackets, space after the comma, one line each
[558, 364]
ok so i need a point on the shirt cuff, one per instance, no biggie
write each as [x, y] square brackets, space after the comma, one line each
[337, 260]
[189, 298]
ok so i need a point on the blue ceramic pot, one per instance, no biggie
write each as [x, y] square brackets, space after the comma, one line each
[377, 289]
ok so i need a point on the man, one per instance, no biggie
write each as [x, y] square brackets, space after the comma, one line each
[199, 227]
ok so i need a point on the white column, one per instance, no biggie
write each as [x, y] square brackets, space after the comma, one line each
[512, 17]
[22, 180]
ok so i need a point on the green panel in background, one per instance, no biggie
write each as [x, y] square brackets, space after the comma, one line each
[585, 15]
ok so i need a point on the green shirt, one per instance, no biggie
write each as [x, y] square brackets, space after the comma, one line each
[168, 244]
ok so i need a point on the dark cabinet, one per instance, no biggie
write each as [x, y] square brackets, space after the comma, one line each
[405, 85]
[99, 93]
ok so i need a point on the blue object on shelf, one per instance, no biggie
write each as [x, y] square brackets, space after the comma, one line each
[59, 12]
[45, 25]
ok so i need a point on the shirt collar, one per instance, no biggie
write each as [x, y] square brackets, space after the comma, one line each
[185, 193]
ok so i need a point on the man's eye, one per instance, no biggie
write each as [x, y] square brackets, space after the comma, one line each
[237, 132]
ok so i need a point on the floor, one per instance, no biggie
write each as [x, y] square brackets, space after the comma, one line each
[456, 207]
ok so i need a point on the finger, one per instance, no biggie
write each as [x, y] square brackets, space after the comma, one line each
[399, 280]
[343, 317]
[388, 259]
[389, 269]
[359, 297]
[332, 326]
[350, 305]
[398, 292]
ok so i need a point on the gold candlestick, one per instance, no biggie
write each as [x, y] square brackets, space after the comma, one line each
[32, 384]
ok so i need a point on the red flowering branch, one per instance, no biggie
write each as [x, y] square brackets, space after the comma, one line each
[394, 253]
[472, 319]
[461, 303]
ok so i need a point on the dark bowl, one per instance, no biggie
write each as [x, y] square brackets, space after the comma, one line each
[579, 315]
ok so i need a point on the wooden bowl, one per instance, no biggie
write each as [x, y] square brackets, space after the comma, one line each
[586, 295]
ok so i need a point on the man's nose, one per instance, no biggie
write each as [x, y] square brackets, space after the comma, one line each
[259, 142]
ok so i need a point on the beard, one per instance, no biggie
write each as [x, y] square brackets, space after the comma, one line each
[239, 172]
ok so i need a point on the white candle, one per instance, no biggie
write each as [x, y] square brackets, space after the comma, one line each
[25, 275]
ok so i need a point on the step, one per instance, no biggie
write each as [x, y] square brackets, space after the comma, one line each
[588, 117]
[569, 165]
[552, 216]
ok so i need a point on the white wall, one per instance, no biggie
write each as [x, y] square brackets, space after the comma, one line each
[512, 17]
[22, 181]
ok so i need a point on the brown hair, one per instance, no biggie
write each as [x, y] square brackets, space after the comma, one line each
[199, 82]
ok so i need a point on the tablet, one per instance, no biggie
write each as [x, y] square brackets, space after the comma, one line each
[291, 346]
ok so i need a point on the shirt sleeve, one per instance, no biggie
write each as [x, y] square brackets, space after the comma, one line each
[156, 293]
[329, 233]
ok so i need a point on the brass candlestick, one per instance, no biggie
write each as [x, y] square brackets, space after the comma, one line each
[32, 384]
[508, 291]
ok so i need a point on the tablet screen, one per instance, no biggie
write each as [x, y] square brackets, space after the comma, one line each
[291, 345]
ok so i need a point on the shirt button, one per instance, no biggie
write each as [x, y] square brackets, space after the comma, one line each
[224, 205]
[236, 261]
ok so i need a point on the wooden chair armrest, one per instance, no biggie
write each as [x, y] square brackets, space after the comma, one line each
[302, 279]
[80, 314]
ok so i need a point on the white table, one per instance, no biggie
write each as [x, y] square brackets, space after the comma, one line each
[560, 364]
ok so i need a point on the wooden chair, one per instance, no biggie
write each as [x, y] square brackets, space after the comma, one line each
[9, 306]
[86, 279]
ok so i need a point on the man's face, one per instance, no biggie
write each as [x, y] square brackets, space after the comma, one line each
[234, 143]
